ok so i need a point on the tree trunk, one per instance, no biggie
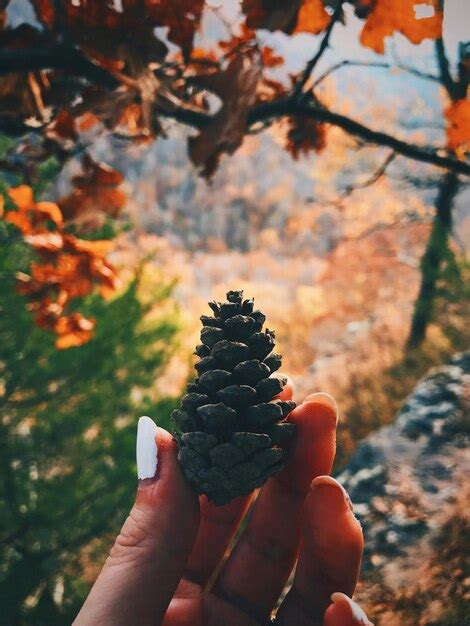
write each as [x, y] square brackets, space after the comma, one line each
[432, 260]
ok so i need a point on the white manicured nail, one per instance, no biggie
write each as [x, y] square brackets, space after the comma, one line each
[357, 613]
[146, 448]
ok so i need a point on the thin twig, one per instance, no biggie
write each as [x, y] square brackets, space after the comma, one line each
[377, 175]
[303, 78]
[345, 63]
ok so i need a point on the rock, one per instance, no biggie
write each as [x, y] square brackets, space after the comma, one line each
[402, 476]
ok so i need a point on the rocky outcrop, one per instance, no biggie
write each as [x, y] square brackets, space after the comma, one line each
[404, 477]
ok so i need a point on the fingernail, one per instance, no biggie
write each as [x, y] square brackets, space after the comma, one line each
[146, 448]
[338, 492]
[325, 399]
[357, 614]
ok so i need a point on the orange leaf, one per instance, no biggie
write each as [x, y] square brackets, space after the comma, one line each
[73, 330]
[20, 220]
[390, 16]
[96, 248]
[457, 115]
[87, 121]
[22, 197]
[312, 17]
[51, 211]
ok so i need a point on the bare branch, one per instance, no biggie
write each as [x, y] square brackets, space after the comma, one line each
[291, 107]
[349, 189]
[348, 63]
[303, 78]
[446, 79]
[377, 175]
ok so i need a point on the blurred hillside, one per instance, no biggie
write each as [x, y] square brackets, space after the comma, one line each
[332, 259]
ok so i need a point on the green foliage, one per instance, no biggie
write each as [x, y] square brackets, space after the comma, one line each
[67, 439]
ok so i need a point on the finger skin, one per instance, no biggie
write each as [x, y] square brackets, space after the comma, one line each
[332, 545]
[345, 612]
[195, 607]
[218, 526]
[147, 560]
[219, 523]
[262, 560]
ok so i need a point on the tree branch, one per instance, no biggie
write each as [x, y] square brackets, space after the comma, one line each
[303, 78]
[446, 79]
[57, 57]
[291, 107]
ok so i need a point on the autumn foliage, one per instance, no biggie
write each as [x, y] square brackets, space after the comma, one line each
[67, 267]
[92, 67]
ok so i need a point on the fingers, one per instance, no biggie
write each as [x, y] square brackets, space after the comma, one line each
[217, 527]
[149, 555]
[345, 612]
[262, 560]
[331, 554]
[219, 524]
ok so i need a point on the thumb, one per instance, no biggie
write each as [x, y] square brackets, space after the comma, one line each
[147, 560]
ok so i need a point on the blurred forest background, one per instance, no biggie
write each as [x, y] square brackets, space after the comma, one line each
[332, 185]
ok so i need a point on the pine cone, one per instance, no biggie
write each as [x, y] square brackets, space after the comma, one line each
[231, 434]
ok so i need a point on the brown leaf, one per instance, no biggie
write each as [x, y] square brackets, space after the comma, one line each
[236, 87]
[292, 17]
[275, 15]
[304, 135]
[63, 127]
[182, 17]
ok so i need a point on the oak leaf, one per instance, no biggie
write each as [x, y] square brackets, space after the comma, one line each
[390, 16]
[30, 215]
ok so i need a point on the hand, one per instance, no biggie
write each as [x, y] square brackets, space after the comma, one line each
[166, 566]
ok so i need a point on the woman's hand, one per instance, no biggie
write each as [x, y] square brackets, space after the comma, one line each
[167, 565]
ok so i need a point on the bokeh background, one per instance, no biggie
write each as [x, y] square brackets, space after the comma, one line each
[335, 247]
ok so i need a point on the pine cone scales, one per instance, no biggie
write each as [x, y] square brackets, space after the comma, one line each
[230, 433]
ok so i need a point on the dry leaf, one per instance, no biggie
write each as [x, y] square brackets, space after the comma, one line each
[236, 87]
